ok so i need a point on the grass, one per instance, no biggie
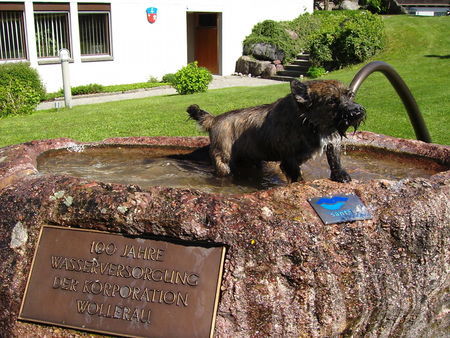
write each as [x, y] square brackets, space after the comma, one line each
[418, 48]
[156, 116]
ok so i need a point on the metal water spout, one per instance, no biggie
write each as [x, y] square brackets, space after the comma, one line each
[402, 90]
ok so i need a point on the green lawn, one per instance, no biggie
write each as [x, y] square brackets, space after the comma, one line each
[418, 48]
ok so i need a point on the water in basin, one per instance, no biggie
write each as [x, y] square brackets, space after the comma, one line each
[181, 167]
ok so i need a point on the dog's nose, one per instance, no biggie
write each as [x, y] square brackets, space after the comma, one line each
[356, 109]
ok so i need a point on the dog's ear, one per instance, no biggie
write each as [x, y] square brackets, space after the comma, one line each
[300, 91]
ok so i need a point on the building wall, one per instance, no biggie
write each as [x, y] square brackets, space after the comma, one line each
[141, 49]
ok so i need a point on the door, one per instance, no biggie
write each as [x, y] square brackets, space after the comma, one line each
[206, 41]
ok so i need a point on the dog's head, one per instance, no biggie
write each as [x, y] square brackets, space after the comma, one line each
[327, 105]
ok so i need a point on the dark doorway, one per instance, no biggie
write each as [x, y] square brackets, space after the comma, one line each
[204, 40]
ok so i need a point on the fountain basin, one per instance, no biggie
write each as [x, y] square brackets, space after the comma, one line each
[180, 167]
[285, 273]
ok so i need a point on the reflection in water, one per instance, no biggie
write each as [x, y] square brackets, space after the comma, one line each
[177, 167]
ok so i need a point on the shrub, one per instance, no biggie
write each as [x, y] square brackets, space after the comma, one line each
[91, 88]
[315, 72]
[168, 78]
[24, 73]
[21, 89]
[333, 38]
[191, 79]
[378, 6]
[17, 97]
[321, 51]
[304, 26]
[346, 37]
[361, 38]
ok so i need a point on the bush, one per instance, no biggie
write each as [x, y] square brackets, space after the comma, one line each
[361, 38]
[24, 73]
[191, 79]
[304, 26]
[315, 72]
[346, 37]
[377, 6]
[91, 88]
[17, 97]
[333, 38]
[21, 89]
[321, 51]
[168, 78]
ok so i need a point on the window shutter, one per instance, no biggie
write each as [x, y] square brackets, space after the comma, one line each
[93, 7]
[50, 6]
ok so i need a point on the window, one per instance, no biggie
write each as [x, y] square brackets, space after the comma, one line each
[12, 32]
[51, 22]
[207, 20]
[94, 23]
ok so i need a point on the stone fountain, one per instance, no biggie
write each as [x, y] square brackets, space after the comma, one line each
[285, 272]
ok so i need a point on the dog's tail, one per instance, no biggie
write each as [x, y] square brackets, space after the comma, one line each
[203, 118]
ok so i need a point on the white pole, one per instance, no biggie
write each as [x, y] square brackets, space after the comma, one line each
[64, 57]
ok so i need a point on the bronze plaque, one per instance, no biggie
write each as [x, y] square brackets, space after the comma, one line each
[108, 283]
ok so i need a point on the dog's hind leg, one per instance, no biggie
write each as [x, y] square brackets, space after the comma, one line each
[220, 153]
[292, 170]
[221, 162]
[222, 168]
[338, 173]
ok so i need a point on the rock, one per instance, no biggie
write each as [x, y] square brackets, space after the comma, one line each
[19, 236]
[279, 68]
[264, 51]
[248, 65]
[243, 65]
[349, 5]
[286, 274]
[292, 34]
[269, 71]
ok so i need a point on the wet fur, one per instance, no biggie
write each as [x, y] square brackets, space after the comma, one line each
[313, 117]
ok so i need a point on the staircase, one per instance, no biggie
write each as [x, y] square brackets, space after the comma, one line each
[297, 68]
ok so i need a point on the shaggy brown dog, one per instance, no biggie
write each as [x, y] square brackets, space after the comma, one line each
[314, 116]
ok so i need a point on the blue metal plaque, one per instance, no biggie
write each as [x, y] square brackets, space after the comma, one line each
[340, 208]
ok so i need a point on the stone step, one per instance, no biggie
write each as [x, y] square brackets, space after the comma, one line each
[303, 56]
[301, 62]
[291, 73]
[282, 78]
[297, 68]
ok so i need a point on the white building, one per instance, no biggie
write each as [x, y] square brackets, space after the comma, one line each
[114, 42]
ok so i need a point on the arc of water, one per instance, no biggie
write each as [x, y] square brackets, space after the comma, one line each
[402, 90]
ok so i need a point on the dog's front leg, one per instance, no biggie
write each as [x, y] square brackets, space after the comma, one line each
[338, 173]
[291, 169]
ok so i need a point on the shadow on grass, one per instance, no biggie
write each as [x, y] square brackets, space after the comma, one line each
[438, 56]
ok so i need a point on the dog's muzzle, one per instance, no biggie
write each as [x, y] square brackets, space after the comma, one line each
[351, 115]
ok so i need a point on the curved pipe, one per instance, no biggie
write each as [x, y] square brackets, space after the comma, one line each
[402, 90]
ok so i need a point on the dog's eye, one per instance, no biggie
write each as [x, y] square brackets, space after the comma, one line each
[333, 102]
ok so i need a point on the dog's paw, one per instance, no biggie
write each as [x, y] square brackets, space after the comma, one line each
[222, 169]
[340, 176]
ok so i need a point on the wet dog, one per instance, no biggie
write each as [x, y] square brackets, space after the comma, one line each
[312, 118]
